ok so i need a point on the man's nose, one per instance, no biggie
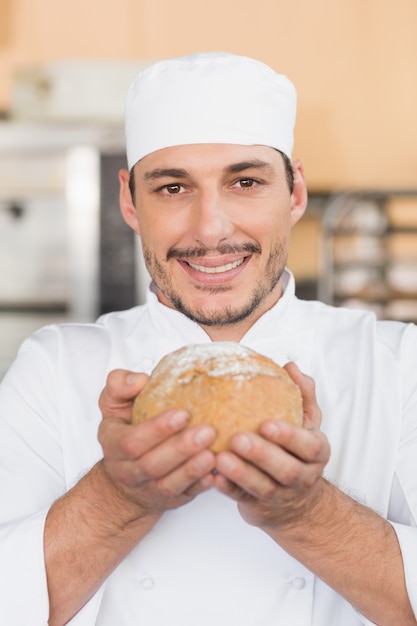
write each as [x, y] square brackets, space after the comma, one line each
[212, 221]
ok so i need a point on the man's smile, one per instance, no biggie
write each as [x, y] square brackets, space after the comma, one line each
[216, 269]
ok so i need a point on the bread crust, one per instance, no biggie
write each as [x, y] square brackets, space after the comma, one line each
[224, 384]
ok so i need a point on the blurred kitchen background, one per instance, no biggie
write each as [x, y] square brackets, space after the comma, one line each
[65, 253]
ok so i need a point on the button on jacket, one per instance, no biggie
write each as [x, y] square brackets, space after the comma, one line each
[202, 564]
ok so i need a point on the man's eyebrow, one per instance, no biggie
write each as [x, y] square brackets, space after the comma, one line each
[248, 165]
[169, 172]
[235, 168]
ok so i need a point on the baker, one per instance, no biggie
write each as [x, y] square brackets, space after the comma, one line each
[107, 523]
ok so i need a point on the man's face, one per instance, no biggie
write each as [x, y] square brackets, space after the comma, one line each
[215, 222]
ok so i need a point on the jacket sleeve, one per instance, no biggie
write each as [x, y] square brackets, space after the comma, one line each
[31, 479]
[407, 538]
[24, 597]
[403, 503]
[403, 513]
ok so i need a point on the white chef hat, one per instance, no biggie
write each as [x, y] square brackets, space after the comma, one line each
[211, 97]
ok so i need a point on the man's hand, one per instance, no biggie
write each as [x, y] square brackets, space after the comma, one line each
[157, 465]
[276, 478]
[146, 470]
[275, 475]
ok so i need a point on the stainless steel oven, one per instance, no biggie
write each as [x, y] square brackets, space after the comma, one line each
[65, 253]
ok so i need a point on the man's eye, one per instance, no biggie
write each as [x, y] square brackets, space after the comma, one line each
[246, 183]
[172, 189]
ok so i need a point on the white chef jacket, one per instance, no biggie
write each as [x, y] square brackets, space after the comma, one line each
[202, 564]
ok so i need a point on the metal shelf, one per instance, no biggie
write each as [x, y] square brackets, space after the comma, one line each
[369, 252]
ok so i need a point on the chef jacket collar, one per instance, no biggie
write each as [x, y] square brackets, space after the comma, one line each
[277, 333]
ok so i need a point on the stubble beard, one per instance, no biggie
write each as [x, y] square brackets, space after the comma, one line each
[227, 315]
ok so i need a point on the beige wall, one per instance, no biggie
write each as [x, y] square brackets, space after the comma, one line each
[354, 63]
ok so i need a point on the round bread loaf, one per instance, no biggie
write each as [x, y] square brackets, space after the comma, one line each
[223, 384]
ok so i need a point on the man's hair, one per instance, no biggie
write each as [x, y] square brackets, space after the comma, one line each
[289, 173]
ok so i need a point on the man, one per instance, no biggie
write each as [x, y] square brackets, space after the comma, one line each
[144, 524]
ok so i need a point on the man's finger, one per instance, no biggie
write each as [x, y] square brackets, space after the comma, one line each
[311, 411]
[122, 386]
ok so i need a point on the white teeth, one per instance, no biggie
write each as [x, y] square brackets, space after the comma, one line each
[218, 269]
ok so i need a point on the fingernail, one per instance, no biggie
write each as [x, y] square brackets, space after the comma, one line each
[131, 378]
[204, 461]
[271, 429]
[206, 482]
[203, 436]
[178, 419]
[226, 463]
[244, 443]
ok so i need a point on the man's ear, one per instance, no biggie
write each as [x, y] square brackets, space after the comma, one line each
[299, 196]
[127, 206]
